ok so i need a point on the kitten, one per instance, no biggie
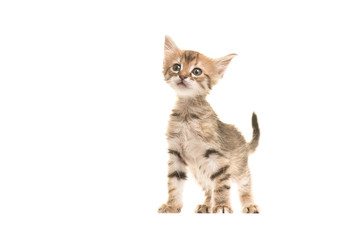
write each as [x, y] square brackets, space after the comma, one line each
[213, 151]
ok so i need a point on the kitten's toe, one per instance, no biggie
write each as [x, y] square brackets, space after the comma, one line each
[165, 208]
[201, 208]
[251, 209]
[222, 209]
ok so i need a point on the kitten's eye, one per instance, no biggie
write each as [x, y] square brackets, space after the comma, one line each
[176, 67]
[197, 71]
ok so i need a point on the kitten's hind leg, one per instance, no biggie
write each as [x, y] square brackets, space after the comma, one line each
[245, 194]
[206, 206]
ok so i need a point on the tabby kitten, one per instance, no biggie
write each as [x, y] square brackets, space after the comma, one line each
[215, 152]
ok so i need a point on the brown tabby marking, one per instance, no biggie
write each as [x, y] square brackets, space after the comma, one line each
[214, 152]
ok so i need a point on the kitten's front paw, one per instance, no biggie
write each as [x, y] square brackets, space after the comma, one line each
[222, 209]
[251, 209]
[165, 208]
[201, 208]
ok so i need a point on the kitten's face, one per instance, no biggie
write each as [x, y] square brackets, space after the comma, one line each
[191, 73]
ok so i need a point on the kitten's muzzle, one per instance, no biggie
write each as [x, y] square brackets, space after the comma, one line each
[181, 81]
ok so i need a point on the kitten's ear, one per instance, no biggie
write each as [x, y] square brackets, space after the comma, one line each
[170, 46]
[222, 63]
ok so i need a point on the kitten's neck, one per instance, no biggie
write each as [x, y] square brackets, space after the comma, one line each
[196, 105]
[191, 101]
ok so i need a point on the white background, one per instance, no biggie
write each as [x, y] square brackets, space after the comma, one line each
[84, 109]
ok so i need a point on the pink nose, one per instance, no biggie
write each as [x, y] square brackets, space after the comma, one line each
[182, 77]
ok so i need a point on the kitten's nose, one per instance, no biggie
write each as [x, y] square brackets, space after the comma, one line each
[182, 77]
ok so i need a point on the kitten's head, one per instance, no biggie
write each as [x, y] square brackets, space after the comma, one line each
[191, 73]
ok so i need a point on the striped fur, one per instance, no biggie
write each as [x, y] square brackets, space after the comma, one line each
[214, 152]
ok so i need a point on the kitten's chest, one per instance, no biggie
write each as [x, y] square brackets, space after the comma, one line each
[187, 137]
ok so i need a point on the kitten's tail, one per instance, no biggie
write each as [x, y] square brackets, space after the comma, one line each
[256, 134]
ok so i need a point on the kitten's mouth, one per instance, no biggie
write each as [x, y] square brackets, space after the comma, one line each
[181, 84]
